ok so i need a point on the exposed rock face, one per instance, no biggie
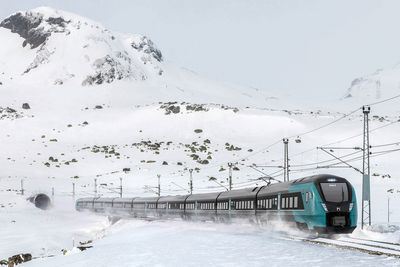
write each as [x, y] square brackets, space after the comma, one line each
[29, 27]
[26, 27]
[107, 70]
[58, 21]
[9, 113]
[146, 45]
[18, 259]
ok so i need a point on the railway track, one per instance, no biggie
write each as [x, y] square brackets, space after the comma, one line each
[373, 247]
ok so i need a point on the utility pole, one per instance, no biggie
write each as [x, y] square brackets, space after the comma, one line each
[286, 160]
[120, 187]
[95, 187]
[159, 185]
[191, 181]
[73, 190]
[230, 176]
[22, 187]
[366, 192]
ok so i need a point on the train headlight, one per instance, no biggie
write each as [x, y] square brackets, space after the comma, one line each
[324, 206]
[351, 206]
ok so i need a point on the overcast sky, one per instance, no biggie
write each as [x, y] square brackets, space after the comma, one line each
[310, 48]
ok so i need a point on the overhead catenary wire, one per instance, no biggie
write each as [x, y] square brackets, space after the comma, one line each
[373, 154]
[339, 141]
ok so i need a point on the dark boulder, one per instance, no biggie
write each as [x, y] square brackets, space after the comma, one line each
[26, 106]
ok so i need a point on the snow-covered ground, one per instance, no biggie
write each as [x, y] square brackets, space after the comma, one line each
[165, 124]
[131, 242]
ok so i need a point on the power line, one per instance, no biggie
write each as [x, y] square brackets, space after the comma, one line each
[390, 144]
[383, 101]
[341, 140]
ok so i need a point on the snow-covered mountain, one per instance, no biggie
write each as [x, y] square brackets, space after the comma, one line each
[381, 84]
[57, 47]
[54, 48]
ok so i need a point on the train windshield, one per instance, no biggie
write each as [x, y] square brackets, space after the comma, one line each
[335, 192]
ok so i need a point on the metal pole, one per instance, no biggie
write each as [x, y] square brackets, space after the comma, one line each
[366, 192]
[73, 190]
[22, 187]
[191, 181]
[120, 187]
[286, 160]
[388, 209]
[159, 185]
[230, 176]
[95, 187]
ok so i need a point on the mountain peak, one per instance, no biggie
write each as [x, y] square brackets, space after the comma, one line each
[62, 47]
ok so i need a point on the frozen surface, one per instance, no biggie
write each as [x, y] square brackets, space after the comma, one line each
[138, 243]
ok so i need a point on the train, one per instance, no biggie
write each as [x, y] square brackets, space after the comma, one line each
[320, 203]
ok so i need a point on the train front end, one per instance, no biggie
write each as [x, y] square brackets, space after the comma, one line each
[337, 199]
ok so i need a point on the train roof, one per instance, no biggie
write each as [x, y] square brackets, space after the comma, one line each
[123, 199]
[85, 199]
[145, 199]
[173, 199]
[104, 199]
[204, 197]
[318, 179]
[240, 193]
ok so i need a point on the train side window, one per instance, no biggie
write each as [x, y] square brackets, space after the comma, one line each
[291, 202]
[295, 204]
